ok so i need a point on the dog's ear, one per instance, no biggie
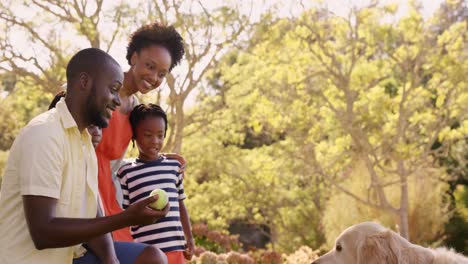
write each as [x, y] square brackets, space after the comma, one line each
[409, 253]
[418, 255]
[379, 248]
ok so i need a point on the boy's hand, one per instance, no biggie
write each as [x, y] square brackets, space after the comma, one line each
[189, 249]
[140, 214]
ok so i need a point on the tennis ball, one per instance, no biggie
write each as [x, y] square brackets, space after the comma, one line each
[162, 200]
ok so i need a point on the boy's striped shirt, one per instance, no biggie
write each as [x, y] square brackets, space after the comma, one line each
[138, 178]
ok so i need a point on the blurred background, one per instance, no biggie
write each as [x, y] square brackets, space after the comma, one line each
[297, 118]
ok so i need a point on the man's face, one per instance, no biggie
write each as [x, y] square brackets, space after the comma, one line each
[104, 95]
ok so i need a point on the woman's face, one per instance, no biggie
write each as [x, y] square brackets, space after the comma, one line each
[150, 67]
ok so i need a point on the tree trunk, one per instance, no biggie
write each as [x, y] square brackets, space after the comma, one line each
[404, 202]
[179, 127]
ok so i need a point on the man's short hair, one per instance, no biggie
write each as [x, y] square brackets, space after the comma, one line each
[90, 60]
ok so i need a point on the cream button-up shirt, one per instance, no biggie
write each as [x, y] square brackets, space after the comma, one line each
[51, 158]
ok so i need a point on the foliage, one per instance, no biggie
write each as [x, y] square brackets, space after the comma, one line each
[461, 196]
[3, 160]
[18, 108]
[456, 229]
[9, 127]
[236, 193]
[331, 92]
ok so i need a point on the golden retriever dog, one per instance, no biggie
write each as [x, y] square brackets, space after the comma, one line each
[371, 243]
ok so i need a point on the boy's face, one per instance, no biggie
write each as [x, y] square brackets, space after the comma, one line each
[149, 136]
[96, 134]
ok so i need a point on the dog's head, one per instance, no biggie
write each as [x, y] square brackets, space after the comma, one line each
[373, 244]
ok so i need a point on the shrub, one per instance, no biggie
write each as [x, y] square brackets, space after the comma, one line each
[214, 241]
[304, 255]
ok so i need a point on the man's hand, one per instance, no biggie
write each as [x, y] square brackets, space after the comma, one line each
[140, 214]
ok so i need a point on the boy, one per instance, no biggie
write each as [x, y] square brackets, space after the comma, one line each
[152, 170]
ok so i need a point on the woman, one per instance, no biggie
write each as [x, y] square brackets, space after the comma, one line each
[153, 51]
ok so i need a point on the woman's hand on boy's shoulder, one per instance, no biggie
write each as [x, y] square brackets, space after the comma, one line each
[179, 158]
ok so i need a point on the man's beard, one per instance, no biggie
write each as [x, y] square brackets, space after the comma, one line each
[95, 115]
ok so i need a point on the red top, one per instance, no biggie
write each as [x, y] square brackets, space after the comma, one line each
[114, 142]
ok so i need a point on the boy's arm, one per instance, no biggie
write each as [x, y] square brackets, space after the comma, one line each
[103, 246]
[49, 231]
[124, 188]
[184, 218]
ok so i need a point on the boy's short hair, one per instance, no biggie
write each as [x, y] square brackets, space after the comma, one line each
[142, 111]
[57, 98]
[157, 34]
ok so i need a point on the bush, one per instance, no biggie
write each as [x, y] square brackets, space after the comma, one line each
[214, 241]
[268, 257]
[304, 255]
[209, 257]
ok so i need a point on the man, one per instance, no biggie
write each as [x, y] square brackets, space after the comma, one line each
[48, 201]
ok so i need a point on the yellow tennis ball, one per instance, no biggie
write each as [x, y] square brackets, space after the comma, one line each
[162, 200]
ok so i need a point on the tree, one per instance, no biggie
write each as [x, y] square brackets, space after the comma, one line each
[360, 89]
[392, 95]
[54, 30]
[241, 167]
[49, 30]
[208, 33]
[455, 159]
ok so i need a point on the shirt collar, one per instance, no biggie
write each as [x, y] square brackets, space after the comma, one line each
[65, 115]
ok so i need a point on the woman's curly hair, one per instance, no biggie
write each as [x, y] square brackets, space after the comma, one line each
[157, 34]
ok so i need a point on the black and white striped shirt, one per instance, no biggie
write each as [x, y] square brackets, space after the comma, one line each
[138, 178]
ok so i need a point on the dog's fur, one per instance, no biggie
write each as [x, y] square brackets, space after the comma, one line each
[371, 243]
